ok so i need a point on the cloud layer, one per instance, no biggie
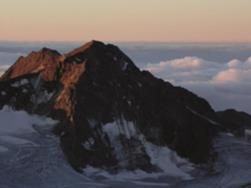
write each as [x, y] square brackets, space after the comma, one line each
[225, 85]
[3, 68]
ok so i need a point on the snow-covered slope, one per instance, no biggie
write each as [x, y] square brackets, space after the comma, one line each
[30, 156]
[16, 125]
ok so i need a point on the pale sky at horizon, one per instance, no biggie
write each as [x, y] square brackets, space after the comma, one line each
[126, 20]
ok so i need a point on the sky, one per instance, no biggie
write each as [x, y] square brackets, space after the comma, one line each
[126, 20]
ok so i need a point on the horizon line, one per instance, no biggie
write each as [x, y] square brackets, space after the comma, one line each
[125, 41]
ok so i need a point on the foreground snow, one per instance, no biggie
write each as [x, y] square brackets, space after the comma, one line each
[232, 169]
[17, 124]
[30, 156]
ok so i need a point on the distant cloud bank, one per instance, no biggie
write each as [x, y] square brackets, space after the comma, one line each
[207, 70]
[225, 85]
[3, 68]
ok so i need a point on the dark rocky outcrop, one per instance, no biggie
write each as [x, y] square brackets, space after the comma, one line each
[234, 121]
[95, 89]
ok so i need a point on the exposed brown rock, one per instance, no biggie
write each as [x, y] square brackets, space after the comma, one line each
[45, 61]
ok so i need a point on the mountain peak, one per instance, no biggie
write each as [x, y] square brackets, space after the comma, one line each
[87, 46]
[46, 50]
[44, 59]
[107, 107]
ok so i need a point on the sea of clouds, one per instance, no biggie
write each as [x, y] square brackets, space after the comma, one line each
[221, 73]
[224, 85]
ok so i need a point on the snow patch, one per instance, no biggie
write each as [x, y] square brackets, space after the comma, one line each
[92, 123]
[20, 83]
[168, 161]
[3, 93]
[114, 131]
[123, 175]
[124, 66]
[88, 144]
[121, 127]
[15, 140]
[165, 159]
[229, 134]
[139, 84]
[248, 132]
[36, 82]
[24, 90]
[45, 97]
[129, 102]
[42, 97]
[78, 59]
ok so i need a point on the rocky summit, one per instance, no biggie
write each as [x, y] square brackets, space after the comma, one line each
[107, 108]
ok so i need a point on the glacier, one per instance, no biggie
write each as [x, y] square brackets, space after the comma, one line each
[31, 156]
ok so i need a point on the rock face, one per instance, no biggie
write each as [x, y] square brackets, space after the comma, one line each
[108, 108]
[235, 122]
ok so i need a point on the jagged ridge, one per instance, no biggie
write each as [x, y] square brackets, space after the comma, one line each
[98, 85]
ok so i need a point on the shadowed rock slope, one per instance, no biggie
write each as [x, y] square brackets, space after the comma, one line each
[235, 122]
[107, 108]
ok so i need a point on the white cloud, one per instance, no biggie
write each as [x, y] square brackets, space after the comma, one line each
[3, 68]
[228, 75]
[7, 59]
[186, 63]
[224, 85]
[249, 60]
[233, 63]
